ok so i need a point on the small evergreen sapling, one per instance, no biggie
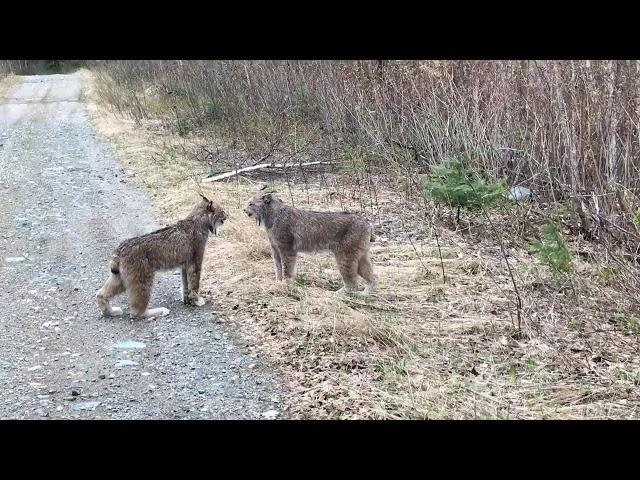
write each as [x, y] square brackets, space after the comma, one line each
[452, 184]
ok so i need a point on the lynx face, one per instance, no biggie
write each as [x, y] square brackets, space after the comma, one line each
[257, 206]
[216, 220]
[213, 215]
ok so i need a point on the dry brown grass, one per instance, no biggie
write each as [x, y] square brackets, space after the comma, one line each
[423, 349]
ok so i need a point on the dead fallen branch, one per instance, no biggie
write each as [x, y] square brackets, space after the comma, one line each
[233, 173]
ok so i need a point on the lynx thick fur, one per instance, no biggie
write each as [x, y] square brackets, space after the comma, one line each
[180, 245]
[291, 230]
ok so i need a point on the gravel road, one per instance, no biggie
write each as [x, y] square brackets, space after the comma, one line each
[65, 203]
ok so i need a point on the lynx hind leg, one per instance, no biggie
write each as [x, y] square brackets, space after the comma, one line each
[139, 296]
[365, 270]
[112, 287]
[348, 268]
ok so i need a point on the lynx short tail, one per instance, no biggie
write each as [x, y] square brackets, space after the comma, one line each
[115, 265]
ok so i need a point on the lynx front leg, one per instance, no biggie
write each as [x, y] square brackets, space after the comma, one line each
[277, 262]
[288, 265]
[193, 275]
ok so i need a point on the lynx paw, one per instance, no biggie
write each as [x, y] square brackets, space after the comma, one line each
[195, 299]
[371, 291]
[156, 312]
[198, 302]
[346, 291]
[115, 312]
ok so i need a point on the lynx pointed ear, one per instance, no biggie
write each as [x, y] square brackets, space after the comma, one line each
[210, 206]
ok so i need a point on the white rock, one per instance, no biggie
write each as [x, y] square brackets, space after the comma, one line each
[519, 193]
[85, 406]
[125, 363]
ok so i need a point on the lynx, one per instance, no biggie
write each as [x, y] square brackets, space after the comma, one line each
[291, 230]
[181, 245]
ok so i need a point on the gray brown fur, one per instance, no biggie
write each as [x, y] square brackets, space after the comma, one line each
[291, 230]
[181, 245]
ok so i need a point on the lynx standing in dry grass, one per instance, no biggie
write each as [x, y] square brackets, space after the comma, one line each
[291, 230]
[136, 260]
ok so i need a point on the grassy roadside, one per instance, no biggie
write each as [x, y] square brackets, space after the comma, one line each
[424, 349]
